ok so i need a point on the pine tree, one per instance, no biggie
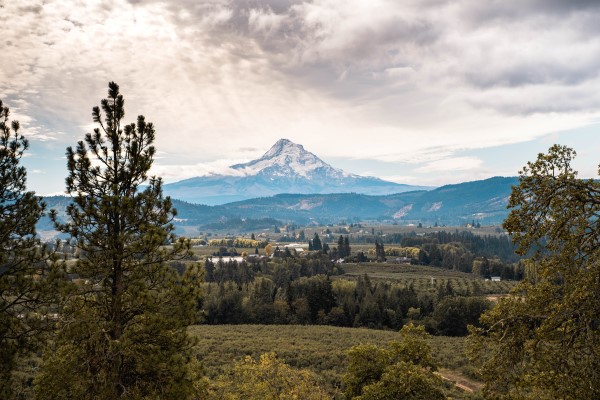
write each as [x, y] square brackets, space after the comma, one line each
[341, 248]
[316, 242]
[347, 250]
[122, 332]
[379, 251]
[20, 254]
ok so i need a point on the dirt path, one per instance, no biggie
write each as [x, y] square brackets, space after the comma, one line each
[460, 381]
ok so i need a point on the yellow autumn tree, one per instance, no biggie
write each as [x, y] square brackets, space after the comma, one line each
[267, 378]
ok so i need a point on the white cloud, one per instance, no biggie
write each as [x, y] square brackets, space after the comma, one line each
[175, 172]
[451, 164]
[409, 82]
[405, 179]
[264, 21]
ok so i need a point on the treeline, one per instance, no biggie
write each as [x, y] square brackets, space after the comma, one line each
[458, 257]
[485, 256]
[282, 270]
[304, 291]
[238, 242]
[490, 246]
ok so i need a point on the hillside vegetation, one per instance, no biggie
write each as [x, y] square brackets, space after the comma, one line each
[484, 201]
[321, 349]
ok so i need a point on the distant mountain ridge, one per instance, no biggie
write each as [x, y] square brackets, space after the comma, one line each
[285, 168]
[483, 201]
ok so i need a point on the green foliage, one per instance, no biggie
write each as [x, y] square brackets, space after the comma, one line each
[544, 342]
[404, 381]
[366, 365]
[268, 378]
[304, 300]
[287, 291]
[122, 330]
[321, 349]
[23, 273]
[315, 243]
[452, 315]
[425, 279]
[403, 370]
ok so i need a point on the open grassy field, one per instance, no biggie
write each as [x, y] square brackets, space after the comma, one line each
[321, 349]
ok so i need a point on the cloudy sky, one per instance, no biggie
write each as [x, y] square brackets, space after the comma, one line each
[414, 91]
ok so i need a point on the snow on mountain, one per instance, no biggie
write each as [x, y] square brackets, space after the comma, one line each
[286, 158]
[285, 168]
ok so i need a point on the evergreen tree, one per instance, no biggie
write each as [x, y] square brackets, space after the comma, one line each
[316, 242]
[347, 250]
[379, 251]
[360, 257]
[122, 333]
[341, 248]
[19, 253]
[333, 254]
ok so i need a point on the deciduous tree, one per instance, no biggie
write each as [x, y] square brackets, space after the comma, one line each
[268, 378]
[404, 370]
[544, 341]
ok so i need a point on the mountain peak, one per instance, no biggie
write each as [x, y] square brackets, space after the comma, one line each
[284, 142]
[281, 146]
[286, 158]
[285, 168]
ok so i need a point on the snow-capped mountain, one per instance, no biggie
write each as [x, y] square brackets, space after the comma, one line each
[286, 168]
[286, 158]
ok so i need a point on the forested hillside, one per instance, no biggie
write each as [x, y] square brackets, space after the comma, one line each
[482, 201]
